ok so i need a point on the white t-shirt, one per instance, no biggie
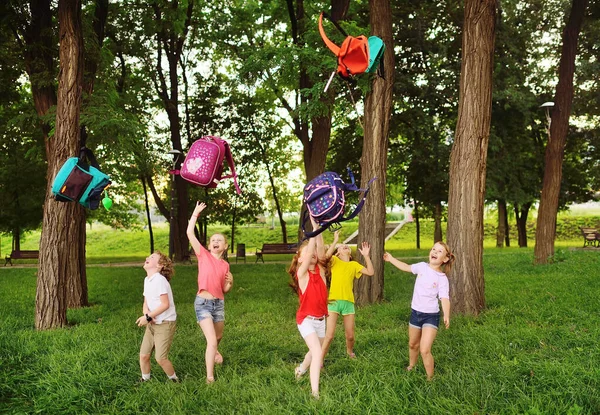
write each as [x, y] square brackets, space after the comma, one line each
[430, 286]
[155, 286]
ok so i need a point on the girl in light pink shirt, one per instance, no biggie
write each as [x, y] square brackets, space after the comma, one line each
[214, 280]
[431, 286]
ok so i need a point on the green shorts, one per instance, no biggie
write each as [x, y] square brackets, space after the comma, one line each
[342, 307]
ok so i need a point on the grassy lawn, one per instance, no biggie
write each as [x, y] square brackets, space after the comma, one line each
[534, 349]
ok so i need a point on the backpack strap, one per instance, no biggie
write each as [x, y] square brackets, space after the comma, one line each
[332, 46]
[84, 153]
[315, 232]
[233, 174]
[360, 204]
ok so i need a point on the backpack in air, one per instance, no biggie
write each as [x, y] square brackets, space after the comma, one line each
[78, 181]
[203, 165]
[356, 55]
[325, 200]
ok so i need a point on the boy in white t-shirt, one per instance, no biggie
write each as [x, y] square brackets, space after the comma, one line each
[159, 315]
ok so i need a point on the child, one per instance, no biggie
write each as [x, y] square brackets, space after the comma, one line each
[309, 283]
[431, 284]
[214, 280]
[341, 297]
[159, 315]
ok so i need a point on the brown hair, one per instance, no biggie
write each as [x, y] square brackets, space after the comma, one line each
[166, 265]
[447, 266]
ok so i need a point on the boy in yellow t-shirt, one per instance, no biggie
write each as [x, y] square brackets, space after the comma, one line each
[341, 296]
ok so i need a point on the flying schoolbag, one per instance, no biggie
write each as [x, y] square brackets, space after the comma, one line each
[78, 181]
[356, 55]
[325, 200]
[203, 164]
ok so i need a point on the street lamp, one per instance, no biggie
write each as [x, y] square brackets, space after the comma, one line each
[175, 153]
[547, 106]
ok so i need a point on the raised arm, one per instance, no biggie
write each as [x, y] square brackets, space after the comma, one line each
[365, 250]
[332, 247]
[402, 266]
[302, 271]
[196, 245]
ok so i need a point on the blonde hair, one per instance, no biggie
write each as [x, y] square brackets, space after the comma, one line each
[166, 265]
[226, 244]
[447, 266]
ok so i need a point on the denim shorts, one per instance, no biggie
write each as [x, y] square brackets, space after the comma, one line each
[419, 320]
[209, 308]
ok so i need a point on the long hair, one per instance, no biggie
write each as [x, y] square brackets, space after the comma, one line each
[293, 269]
[166, 265]
[447, 266]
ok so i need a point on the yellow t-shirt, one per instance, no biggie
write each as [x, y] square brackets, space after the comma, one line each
[342, 279]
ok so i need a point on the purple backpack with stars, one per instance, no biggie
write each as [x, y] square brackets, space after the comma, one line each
[325, 201]
[203, 164]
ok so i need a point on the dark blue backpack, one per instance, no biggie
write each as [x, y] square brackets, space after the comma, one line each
[325, 201]
[78, 181]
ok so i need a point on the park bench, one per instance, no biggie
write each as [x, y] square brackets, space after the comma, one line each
[21, 255]
[591, 237]
[275, 249]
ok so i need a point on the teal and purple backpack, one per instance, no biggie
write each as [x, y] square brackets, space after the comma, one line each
[78, 181]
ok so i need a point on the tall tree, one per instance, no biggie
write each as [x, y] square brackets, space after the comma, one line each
[546, 222]
[468, 157]
[378, 109]
[62, 244]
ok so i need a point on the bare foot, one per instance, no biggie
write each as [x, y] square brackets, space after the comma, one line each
[218, 359]
[351, 355]
[210, 380]
[409, 368]
[315, 394]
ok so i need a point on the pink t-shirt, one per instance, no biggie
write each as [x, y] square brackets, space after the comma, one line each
[211, 273]
[430, 286]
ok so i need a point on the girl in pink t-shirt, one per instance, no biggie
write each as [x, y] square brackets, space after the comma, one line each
[214, 280]
[309, 282]
[431, 286]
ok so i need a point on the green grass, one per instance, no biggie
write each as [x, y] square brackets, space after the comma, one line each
[532, 351]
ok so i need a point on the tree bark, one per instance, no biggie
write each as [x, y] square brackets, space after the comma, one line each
[546, 222]
[417, 225]
[437, 218]
[521, 215]
[62, 244]
[378, 109]
[468, 157]
[148, 216]
[501, 231]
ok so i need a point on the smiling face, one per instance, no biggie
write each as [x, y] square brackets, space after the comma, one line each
[151, 265]
[217, 244]
[438, 255]
[344, 251]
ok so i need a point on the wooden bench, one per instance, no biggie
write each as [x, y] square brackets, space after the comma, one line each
[21, 255]
[591, 237]
[275, 249]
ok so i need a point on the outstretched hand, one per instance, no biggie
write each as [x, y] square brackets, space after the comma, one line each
[365, 249]
[387, 257]
[200, 206]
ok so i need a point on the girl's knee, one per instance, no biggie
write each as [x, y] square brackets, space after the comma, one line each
[144, 357]
[425, 353]
[162, 362]
[350, 338]
[413, 346]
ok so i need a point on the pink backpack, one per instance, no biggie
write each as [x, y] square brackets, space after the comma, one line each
[203, 164]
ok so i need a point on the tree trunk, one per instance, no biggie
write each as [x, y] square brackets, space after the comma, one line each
[501, 231]
[62, 244]
[148, 216]
[468, 157]
[521, 215]
[553, 159]
[437, 218]
[506, 227]
[417, 225]
[378, 109]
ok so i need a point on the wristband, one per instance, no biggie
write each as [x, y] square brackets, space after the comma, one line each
[148, 318]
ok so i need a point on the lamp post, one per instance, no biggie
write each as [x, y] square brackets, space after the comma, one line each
[547, 106]
[175, 153]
